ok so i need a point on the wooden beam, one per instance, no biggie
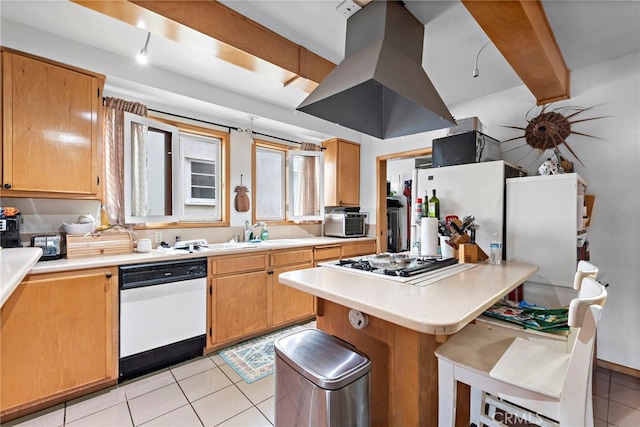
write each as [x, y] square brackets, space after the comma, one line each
[521, 32]
[224, 33]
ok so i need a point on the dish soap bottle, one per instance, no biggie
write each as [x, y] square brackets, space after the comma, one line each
[104, 217]
[434, 206]
[265, 233]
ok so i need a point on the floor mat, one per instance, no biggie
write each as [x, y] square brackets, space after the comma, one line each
[255, 359]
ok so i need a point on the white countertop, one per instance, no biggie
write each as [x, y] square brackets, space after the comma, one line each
[15, 263]
[441, 308]
[166, 255]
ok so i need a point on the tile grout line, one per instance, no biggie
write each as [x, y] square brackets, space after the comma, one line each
[185, 394]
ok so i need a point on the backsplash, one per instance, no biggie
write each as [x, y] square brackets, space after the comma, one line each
[41, 216]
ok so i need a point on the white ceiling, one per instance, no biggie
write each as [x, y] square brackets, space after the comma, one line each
[587, 32]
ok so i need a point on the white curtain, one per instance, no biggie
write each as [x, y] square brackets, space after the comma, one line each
[307, 198]
[113, 138]
[139, 173]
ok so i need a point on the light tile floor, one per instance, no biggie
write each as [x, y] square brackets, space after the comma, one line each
[207, 392]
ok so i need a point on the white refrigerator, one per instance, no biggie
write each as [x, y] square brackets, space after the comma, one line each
[476, 189]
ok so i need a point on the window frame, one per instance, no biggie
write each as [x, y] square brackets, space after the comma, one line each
[198, 201]
[286, 149]
[225, 165]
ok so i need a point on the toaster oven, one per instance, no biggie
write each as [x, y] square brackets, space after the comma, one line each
[345, 224]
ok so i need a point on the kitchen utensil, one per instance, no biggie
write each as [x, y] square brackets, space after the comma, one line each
[9, 211]
[86, 219]
[143, 245]
[390, 262]
[466, 222]
[77, 229]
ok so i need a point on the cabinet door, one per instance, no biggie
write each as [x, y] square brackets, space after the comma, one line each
[289, 304]
[358, 248]
[57, 335]
[348, 174]
[342, 173]
[239, 305]
[51, 117]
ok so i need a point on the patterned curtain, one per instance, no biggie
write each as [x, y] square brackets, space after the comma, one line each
[307, 198]
[113, 137]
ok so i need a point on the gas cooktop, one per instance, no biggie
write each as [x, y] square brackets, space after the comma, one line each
[426, 270]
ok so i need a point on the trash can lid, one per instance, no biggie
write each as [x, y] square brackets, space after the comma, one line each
[328, 362]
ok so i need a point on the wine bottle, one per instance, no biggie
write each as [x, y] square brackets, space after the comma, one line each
[425, 205]
[434, 206]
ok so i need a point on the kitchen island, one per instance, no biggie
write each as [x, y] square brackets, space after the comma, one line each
[406, 324]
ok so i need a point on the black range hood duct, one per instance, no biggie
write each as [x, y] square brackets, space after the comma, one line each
[380, 88]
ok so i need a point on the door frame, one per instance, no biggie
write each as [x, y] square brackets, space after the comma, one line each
[381, 190]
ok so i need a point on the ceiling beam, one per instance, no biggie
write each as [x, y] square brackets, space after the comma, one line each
[226, 34]
[521, 32]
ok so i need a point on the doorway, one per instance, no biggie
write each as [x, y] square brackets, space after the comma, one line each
[381, 190]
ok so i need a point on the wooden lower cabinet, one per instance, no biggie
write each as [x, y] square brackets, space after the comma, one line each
[358, 248]
[58, 339]
[288, 304]
[246, 298]
[240, 305]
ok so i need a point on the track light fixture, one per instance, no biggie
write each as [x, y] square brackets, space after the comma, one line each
[142, 56]
[476, 71]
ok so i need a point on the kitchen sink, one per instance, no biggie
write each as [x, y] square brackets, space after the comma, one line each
[230, 246]
[250, 245]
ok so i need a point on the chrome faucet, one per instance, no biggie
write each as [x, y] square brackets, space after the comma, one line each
[248, 229]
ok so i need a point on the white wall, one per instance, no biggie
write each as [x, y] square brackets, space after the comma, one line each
[612, 170]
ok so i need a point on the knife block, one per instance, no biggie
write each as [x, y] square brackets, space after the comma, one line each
[468, 253]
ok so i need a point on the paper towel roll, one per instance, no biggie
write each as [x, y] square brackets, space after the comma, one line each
[429, 237]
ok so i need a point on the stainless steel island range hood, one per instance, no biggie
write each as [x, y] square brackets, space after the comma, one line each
[380, 88]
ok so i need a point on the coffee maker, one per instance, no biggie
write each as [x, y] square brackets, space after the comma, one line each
[10, 231]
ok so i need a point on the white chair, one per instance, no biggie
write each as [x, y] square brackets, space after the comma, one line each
[585, 269]
[526, 378]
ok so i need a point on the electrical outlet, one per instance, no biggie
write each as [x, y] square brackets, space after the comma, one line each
[287, 231]
[158, 236]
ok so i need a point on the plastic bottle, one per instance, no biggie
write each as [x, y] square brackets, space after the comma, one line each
[434, 206]
[495, 256]
[265, 233]
[418, 209]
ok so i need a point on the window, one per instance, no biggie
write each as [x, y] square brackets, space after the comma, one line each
[149, 170]
[203, 182]
[270, 184]
[163, 155]
[199, 159]
[281, 196]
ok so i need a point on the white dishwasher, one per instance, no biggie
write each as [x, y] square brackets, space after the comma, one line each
[162, 314]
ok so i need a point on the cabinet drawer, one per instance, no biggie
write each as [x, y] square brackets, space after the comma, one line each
[238, 263]
[363, 248]
[326, 253]
[291, 257]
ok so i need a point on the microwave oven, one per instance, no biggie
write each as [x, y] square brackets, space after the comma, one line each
[345, 224]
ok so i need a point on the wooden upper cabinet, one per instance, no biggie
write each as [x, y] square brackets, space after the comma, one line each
[341, 173]
[51, 116]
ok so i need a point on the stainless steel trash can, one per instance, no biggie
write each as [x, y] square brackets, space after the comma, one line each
[320, 381]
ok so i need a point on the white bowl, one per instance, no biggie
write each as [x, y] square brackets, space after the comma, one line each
[78, 229]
